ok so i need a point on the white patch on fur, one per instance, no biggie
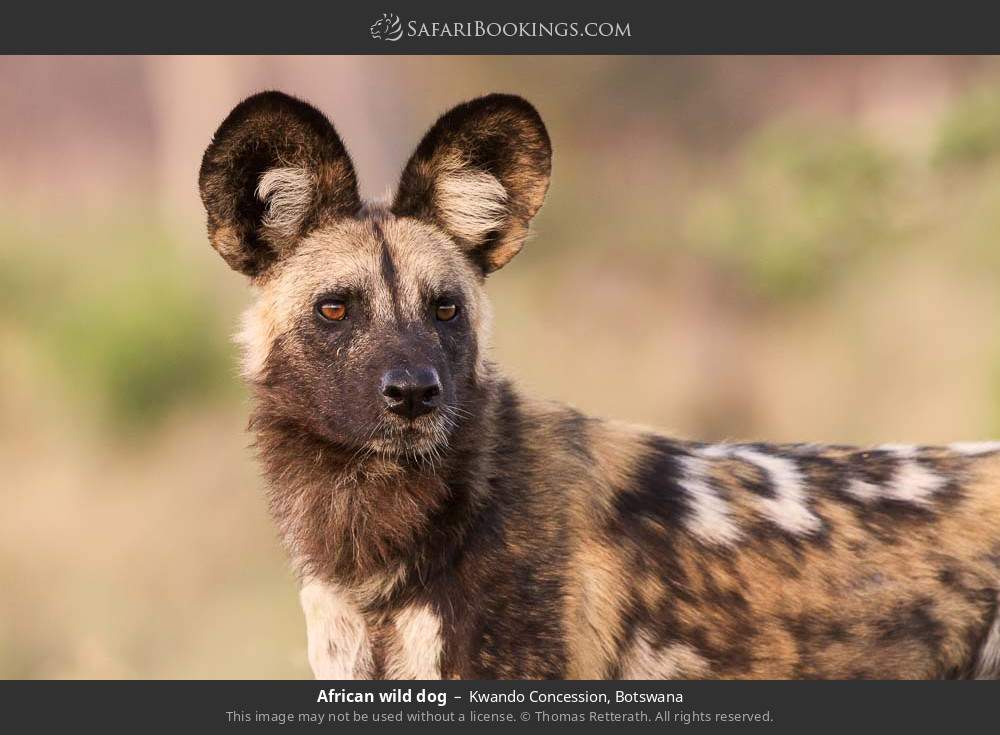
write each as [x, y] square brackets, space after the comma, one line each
[788, 509]
[975, 448]
[257, 333]
[717, 451]
[288, 192]
[471, 203]
[912, 482]
[900, 450]
[339, 647]
[710, 521]
[864, 491]
[988, 660]
[415, 650]
[673, 661]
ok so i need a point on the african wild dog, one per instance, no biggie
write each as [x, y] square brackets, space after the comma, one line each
[443, 524]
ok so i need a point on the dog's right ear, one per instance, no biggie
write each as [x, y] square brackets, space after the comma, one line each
[275, 169]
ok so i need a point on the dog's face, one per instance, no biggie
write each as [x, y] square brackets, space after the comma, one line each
[370, 321]
[369, 332]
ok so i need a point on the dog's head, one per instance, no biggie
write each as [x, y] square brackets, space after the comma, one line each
[369, 322]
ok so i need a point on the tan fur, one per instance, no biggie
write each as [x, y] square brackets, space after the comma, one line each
[988, 665]
[615, 454]
[593, 610]
[673, 661]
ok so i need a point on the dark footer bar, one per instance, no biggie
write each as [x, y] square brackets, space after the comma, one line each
[779, 707]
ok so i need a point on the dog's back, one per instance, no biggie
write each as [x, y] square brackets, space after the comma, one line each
[772, 561]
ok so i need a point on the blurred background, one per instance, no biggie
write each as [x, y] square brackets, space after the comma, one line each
[786, 248]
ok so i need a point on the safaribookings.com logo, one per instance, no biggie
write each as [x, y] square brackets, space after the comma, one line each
[390, 28]
[387, 28]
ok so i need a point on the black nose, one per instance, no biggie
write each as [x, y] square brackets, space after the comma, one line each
[411, 392]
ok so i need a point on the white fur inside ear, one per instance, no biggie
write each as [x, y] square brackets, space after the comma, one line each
[288, 192]
[471, 203]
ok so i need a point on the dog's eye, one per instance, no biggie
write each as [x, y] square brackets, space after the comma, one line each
[332, 311]
[445, 311]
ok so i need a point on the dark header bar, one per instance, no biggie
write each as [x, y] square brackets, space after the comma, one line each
[511, 27]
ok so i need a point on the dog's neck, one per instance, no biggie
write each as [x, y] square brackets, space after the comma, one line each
[372, 523]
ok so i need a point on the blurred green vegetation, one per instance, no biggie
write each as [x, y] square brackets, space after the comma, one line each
[970, 133]
[124, 322]
[804, 204]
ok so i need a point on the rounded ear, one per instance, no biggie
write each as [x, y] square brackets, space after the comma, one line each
[275, 169]
[481, 174]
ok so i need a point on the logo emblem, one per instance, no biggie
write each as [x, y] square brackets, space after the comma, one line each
[387, 28]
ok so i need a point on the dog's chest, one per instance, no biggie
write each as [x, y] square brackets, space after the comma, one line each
[343, 645]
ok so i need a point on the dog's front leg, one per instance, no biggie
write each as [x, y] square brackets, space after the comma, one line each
[339, 644]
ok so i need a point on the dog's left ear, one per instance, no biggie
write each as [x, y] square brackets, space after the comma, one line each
[480, 174]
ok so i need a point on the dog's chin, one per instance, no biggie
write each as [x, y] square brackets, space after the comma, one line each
[422, 439]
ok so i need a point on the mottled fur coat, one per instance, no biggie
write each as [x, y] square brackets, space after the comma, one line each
[442, 524]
